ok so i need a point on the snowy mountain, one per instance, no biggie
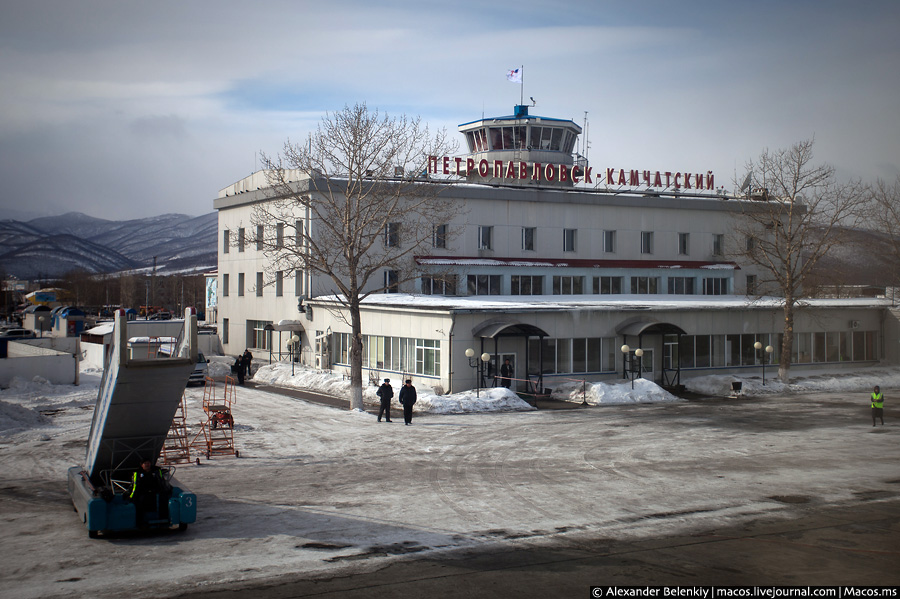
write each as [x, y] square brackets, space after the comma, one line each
[52, 246]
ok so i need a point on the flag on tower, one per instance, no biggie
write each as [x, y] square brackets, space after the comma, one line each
[514, 75]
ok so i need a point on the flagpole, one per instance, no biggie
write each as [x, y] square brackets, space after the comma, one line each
[522, 87]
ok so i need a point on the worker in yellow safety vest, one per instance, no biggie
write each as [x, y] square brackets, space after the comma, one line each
[877, 405]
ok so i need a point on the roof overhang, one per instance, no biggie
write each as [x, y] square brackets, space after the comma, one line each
[506, 328]
[649, 327]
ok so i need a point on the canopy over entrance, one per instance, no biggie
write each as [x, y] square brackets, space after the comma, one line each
[506, 327]
[640, 326]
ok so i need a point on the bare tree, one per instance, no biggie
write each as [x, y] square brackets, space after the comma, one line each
[800, 212]
[351, 204]
[884, 218]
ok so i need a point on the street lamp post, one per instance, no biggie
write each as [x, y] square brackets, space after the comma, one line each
[473, 362]
[294, 340]
[638, 353]
[765, 358]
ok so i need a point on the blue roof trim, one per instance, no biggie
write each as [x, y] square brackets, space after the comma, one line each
[513, 117]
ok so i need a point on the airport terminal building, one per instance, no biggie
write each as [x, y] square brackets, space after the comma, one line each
[554, 265]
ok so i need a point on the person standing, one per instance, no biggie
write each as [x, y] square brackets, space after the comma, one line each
[877, 405]
[238, 369]
[247, 360]
[408, 400]
[149, 491]
[385, 393]
[506, 372]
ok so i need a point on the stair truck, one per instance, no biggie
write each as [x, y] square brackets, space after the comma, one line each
[139, 394]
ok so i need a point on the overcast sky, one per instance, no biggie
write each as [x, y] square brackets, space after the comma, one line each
[123, 109]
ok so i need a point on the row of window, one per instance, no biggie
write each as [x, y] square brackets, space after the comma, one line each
[260, 284]
[704, 351]
[395, 354]
[260, 240]
[529, 235]
[573, 285]
[392, 238]
[520, 137]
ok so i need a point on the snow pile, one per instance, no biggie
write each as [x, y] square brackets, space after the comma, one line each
[613, 392]
[15, 418]
[851, 381]
[302, 377]
[498, 399]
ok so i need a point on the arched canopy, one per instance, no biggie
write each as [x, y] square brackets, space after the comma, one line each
[506, 328]
[648, 327]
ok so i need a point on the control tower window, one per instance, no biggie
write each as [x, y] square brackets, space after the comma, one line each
[556, 140]
[481, 141]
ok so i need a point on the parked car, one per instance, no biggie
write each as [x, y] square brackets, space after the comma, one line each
[161, 316]
[201, 371]
[17, 334]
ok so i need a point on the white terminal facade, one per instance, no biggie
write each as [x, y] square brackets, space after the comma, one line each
[554, 265]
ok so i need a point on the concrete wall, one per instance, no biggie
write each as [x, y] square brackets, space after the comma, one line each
[28, 361]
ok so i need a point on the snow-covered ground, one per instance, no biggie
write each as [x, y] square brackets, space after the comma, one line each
[319, 489]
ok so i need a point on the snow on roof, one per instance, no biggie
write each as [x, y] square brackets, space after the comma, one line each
[488, 303]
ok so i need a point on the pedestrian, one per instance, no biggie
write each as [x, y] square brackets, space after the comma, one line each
[238, 369]
[150, 492]
[877, 405]
[247, 360]
[506, 372]
[385, 393]
[407, 400]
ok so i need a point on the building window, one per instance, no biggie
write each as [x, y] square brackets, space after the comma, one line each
[568, 240]
[528, 238]
[646, 242]
[483, 284]
[260, 338]
[715, 286]
[526, 285]
[751, 284]
[568, 285]
[445, 285]
[718, 245]
[225, 329]
[259, 284]
[298, 233]
[608, 285]
[392, 235]
[298, 283]
[428, 357]
[279, 235]
[684, 246]
[644, 285]
[609, 242]
[439, 236]
[751, 244]
[681, 285]
[240, 284]
[279, 283]
[226, 241]
[225, 278]
[391, 281]
[485, 241]
[241, 239]
[260, 233]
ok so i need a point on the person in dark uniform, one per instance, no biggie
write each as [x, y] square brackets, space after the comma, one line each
[877, 405]
[385, 393]
[238, 369]
[247, 360]
[506, 372]
[150, 491]
[407, 400]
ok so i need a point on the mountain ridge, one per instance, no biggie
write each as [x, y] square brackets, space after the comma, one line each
[51, 246]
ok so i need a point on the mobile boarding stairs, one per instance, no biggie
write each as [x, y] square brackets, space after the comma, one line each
[138, 397]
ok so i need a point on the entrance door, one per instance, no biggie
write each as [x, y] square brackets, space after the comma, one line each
[647, 369]
[495, 380]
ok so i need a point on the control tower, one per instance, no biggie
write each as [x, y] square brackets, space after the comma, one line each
[522, 138]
